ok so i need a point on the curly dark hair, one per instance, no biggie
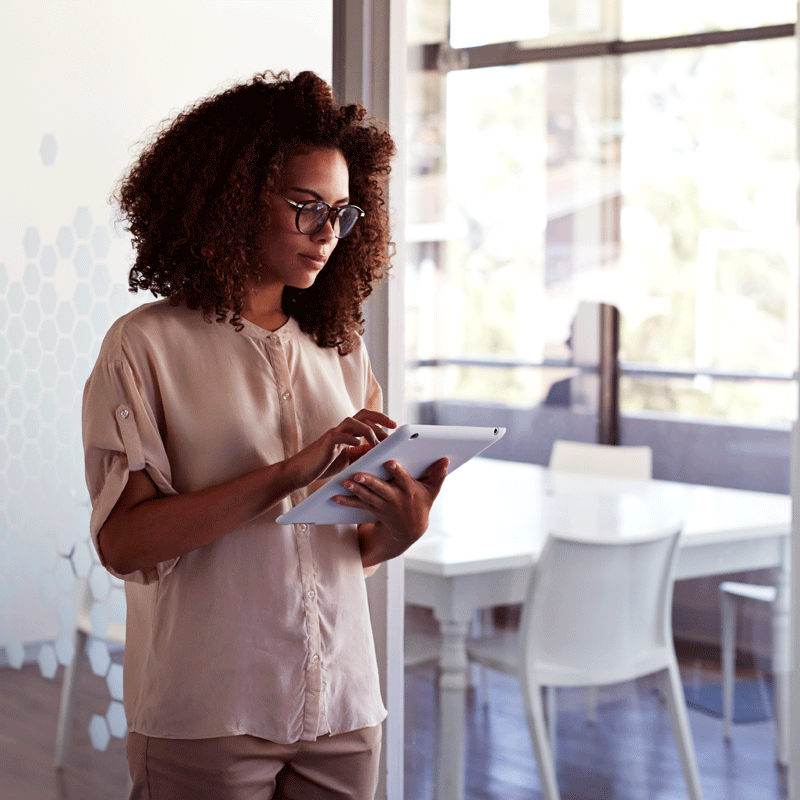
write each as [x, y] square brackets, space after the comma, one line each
[197, 197]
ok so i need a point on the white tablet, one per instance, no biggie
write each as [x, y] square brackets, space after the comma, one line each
[416, 447]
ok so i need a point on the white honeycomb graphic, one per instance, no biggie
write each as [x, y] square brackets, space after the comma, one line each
[49, 340]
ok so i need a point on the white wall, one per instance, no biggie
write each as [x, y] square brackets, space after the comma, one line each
[91, 76]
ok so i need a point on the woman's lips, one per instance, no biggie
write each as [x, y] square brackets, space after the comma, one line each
[315, 261]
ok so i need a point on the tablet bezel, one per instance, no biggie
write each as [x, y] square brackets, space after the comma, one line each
[416, 447]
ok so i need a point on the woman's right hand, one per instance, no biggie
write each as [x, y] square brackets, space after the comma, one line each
[339, 447]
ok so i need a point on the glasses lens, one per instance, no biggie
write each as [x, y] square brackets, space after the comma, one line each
[312, 217]
[346, 219]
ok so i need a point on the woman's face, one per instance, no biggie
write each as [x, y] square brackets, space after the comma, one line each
[288, 257]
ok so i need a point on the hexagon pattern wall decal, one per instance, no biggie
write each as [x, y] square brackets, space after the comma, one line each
[65, 648]
[99, 583]
[83, 260]
[4, 316]
[99, 657]
[15, 368]
[55, 307]
[48, 332]
[31, 280]
[82, 560]
[31, 242]
[101, 241]
[48, 149]
[82, 223]
[16, 297]
[100, 620]
[98, 732]
[117, 606]
[47, 661]
[65, 242]
[115, 717]
[114, 681]
[15, 653]
[48, 261]
[16, 333]
[64, 576]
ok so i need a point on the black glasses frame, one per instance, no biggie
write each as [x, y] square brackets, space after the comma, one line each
[333, 211]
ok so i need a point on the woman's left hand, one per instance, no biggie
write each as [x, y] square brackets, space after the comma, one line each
[401, 507]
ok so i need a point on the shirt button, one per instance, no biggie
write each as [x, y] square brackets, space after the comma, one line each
[286, 395]
[124, 413]
[302, 527]
[311, 594]
[315, 659]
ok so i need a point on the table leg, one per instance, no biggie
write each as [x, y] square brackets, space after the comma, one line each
[781, 611]
[453, 681]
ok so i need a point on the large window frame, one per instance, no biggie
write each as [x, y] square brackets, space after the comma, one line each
[441, 58]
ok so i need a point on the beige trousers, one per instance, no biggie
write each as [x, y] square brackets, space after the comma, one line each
[342, 767]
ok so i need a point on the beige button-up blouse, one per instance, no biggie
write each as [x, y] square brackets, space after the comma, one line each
[266, 631]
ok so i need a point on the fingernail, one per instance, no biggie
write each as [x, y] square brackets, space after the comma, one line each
[348, 485]
[392, 465]
[361, 479]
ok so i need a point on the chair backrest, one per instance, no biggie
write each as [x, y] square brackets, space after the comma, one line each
[617, 461]
[599, 612]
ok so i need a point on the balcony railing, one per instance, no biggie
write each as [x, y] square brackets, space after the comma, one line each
[627, 368]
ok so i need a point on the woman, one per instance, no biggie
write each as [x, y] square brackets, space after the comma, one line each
[249, 667]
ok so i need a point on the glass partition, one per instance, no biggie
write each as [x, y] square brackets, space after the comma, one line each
[84, 82]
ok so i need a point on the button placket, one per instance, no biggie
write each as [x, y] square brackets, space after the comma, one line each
[290, 436]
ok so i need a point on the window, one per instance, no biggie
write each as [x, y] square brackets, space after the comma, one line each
[576, 163]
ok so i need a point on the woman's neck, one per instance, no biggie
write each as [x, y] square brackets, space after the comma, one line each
[262, 306]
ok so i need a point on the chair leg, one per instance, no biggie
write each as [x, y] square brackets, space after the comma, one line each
[728, 613]
[534, 712]
[477, 626]
[551, 717]
[484, 678]
[591, 705]
[676, 702]
[67, 698]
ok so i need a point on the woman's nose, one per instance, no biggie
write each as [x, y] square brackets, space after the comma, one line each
[325, 233]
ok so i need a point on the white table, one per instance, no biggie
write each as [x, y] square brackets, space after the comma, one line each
[487, 530]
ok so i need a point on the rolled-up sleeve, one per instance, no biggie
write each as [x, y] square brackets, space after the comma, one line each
[120, 435]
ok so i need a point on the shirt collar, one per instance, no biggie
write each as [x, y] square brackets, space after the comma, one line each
[289, 329]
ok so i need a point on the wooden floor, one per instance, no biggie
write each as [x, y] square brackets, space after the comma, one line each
[628, 755]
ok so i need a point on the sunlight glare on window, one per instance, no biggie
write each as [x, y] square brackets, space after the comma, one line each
[507, 21]
[642, 20]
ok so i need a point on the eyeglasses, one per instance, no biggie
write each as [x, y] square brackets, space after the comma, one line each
[312, 215]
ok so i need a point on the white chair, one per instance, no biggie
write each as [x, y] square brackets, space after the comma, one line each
[729, 593]
[83, 630]
[612, 460]
[596, 613]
